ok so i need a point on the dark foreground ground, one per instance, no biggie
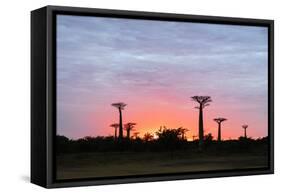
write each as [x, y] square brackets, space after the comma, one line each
[91, 165]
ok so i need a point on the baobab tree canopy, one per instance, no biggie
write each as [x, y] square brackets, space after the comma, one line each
[115, 125]
[245, 126]
[120, 105]
[183, 130]
[219, 120]
[129, 125]
[202, 100]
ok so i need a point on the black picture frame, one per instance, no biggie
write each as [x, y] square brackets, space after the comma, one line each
[43, 94]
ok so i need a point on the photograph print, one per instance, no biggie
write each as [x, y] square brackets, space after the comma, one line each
[139, 97]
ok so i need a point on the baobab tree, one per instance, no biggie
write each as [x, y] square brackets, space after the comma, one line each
[120, 106]
[219, 121]
[203, 101]
[245, 130]
[182, 132]
[115, 126]
[129, 127]
[193, 137]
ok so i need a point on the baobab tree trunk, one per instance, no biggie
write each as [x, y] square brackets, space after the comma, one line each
[219, 132]
[201, 130]
[128, 133]
[120, 124]
[245, 132]
[115, 133]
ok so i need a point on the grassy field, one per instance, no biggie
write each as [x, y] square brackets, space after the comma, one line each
[90, 165]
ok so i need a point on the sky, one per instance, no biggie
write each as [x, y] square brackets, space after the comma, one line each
[155, 67]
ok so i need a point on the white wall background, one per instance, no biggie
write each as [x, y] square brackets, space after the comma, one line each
[15, 95]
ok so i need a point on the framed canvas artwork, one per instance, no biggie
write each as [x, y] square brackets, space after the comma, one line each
[126, 96]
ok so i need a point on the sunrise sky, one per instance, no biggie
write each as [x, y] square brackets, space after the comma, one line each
[155, 67]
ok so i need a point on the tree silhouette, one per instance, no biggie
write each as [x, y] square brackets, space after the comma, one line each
[169, 139]
[136, 135]
[148, 137]
[193, 137]
[245, 130]
[129, 127]
[219, 121]
[169, 135]
[182, 132]
[203, 101]
[115, 126]
[120, 106]
[209, 137]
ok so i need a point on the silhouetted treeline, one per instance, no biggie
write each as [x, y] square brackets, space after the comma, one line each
[167, 140]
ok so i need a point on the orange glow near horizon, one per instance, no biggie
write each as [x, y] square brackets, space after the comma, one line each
[174, 116]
